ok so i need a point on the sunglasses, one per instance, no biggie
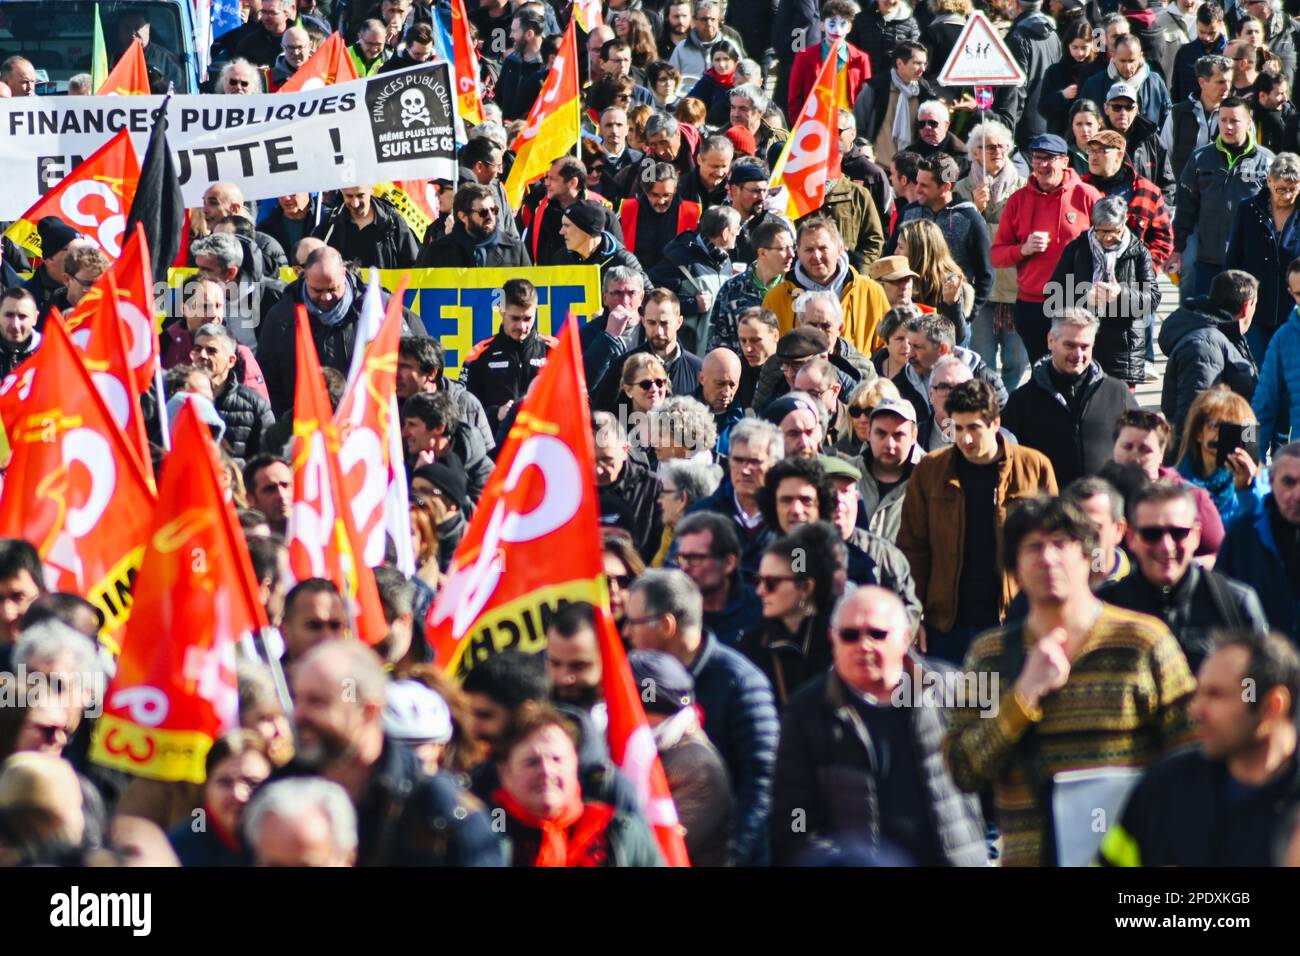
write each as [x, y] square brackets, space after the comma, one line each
[928, 124]
[770, 582]
[1156, 533]
[646, 384]
[50, 732]
[852, 635]
[622, 580]
[857, 412]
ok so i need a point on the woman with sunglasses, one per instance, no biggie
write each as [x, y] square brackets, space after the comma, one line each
[1239, 484]
[644, 386]
[796, 588]
[623, 565]
[861, 401]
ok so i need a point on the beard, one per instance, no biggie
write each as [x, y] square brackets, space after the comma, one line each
[323, 749]
[580, 695]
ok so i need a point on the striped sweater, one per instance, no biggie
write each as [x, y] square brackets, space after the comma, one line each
[1124, 705]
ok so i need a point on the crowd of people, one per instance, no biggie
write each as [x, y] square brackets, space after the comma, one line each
[884, 524]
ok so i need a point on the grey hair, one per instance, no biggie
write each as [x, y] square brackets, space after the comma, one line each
[751, 92]
[934, 107]
[606, 424]
[1285, 166]
[752, 431]
[1289, 450]
[700, 5]
[222, 246]
[295, 797]
[621, 274]
[693, 478]
[682, 420]
[51, 638]
[749, 68]
[952, 360]
[230, 68]
[215, 330]
[1079, 318]
[1211, 64]
[1110, 211]
[669, 591]
[661, 123]
[837, 614]
[490, 130]
[989, 130]
[806, 299]
[718, 218]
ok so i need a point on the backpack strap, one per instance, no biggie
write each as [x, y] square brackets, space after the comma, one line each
[1029, 749]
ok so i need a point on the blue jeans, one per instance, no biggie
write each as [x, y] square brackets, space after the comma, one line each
[986, 343]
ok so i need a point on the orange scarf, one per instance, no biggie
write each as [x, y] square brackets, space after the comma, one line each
[566, 839]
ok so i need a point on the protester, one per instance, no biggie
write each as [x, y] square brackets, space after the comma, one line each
[1235, 482]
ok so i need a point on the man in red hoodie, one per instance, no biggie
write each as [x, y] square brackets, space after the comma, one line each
[1039, 221]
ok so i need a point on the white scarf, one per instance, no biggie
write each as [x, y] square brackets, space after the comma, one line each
[1103, 259]
[669, 733]
[1136, 82]
[900, 12]
[1001, 186]
[902, 128]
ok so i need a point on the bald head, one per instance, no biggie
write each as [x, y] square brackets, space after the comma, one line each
[870, 638]
[719, 379]
[19, 76]
[325, 277]
[306, 246]
[221, 200]
[296, 46]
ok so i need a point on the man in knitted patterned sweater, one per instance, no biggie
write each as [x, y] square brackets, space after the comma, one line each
[1083, 685]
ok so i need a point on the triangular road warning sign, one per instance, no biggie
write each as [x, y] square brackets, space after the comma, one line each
[980, 58]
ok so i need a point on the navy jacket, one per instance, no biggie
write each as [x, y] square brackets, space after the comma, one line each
[1255, 245]
[1250, 555]
[740, 719]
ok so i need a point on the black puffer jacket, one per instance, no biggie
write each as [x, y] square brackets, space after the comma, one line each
[1147, 153]
[826, 775]
[11, 355]
[456, 251]
[1077, 436]
[877, 37]
[500, 369]
[1205, 347]
[387, 243]
[1122, 338]
[247, 416]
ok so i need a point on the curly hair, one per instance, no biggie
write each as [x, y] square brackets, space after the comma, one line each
[805, 469]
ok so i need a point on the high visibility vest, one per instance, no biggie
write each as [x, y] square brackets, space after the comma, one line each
[688, 217]
[533, 220]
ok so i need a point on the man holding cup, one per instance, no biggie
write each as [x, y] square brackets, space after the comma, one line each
[1039, 221]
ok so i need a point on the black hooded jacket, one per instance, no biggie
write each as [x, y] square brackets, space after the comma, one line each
[387, 243]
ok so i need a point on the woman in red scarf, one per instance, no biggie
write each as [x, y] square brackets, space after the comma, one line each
[547, 821]
[715, 85]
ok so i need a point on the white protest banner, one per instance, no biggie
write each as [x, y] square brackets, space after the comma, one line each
[394, 126]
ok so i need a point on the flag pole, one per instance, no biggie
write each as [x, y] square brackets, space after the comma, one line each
[163, 426]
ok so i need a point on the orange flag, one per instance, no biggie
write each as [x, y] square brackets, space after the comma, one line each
[812, 153]
[465, 66]
[505, 582]
[129, 76]
[93, 199]
[102, 341]
[328, 65]
[73, 487]
[364, 416]
[174, 692]
[553, 123]
[323, 540]
[133, 278]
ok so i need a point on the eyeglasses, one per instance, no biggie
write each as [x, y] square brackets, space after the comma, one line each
[928, 124]
[667, 491]
[84, 283]
[638, 621]
[856, 411]
[621, 580]
[1121, 108]
[485, 212]
[1042, 159]
[770, 582]
[943, 387]
[229, 783]
[1156, 533]
[648, 383]
[741, 462]
[994, 148]
[852, 635]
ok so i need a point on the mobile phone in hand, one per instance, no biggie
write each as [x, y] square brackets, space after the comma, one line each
[1232, 437]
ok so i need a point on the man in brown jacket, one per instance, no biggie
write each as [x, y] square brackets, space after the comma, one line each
[953, 512]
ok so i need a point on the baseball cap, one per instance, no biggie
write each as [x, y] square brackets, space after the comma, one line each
[1048, 143]
[1121, 91]
[778, 408]
[895, 406]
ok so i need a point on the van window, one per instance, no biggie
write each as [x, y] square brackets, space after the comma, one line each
[58, 37]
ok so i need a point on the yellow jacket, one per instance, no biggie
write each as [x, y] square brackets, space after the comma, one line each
[864, 306]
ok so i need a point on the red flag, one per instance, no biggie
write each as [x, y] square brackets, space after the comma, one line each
[130, 74]
[505, 581]
[812, 153]
[103, 344]
[74, 487]
[174, 692]
[323, 540]
[363, 416]
[93, 199]
[328, 65]
[465, 67]
[133, 277]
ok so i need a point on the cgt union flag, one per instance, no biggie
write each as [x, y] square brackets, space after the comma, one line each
[533, 546]
[174, 692]
[93, 199]
[74, 487]
[812, 153]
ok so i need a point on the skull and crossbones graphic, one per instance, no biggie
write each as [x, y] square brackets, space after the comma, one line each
[414, 108]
